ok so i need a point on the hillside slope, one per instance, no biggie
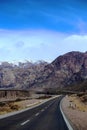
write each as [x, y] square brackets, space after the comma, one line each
[66, 70]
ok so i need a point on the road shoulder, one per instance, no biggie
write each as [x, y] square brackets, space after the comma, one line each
[77, 117]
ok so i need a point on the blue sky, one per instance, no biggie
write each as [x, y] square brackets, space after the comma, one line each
[41, 29]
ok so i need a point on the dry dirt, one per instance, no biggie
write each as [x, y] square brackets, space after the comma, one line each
[76, 111]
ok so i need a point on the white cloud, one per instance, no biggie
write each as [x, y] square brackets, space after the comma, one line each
[38, 44]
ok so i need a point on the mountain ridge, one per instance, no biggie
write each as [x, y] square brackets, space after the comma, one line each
[65, 70]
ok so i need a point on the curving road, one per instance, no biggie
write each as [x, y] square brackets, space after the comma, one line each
[44, 117]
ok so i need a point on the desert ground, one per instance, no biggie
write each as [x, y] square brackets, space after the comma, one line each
[75, 108]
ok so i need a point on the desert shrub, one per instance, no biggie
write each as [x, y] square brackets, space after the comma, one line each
[44, 97]
[2, 104]
[80, 94]
[13, 106]
[84, 98]
[5, 109]
[18, 99]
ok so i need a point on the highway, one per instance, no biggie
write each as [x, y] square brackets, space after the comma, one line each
[44, 117]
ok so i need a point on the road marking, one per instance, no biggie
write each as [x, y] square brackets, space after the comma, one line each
[65, 118]
[25, 122]
[37, 114]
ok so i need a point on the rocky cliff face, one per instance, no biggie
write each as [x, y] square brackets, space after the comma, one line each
[21, 76]
[65, 70]
[7, 77]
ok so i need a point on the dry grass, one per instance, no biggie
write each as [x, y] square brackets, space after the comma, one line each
[4, 110]
[17, 105]
[8, 107]
[77, 103]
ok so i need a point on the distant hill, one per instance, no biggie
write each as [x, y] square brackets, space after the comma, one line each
[66, 70]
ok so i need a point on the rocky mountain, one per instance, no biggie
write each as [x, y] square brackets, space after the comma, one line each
[64, 71]
[21, 75]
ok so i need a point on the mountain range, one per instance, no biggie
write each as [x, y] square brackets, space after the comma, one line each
[64, 72]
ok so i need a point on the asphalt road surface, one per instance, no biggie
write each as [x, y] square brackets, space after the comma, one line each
[44, 117]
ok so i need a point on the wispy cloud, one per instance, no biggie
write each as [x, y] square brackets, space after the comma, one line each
[82, 26]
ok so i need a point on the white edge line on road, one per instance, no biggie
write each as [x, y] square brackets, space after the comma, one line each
[66, 120]
[25, 122]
